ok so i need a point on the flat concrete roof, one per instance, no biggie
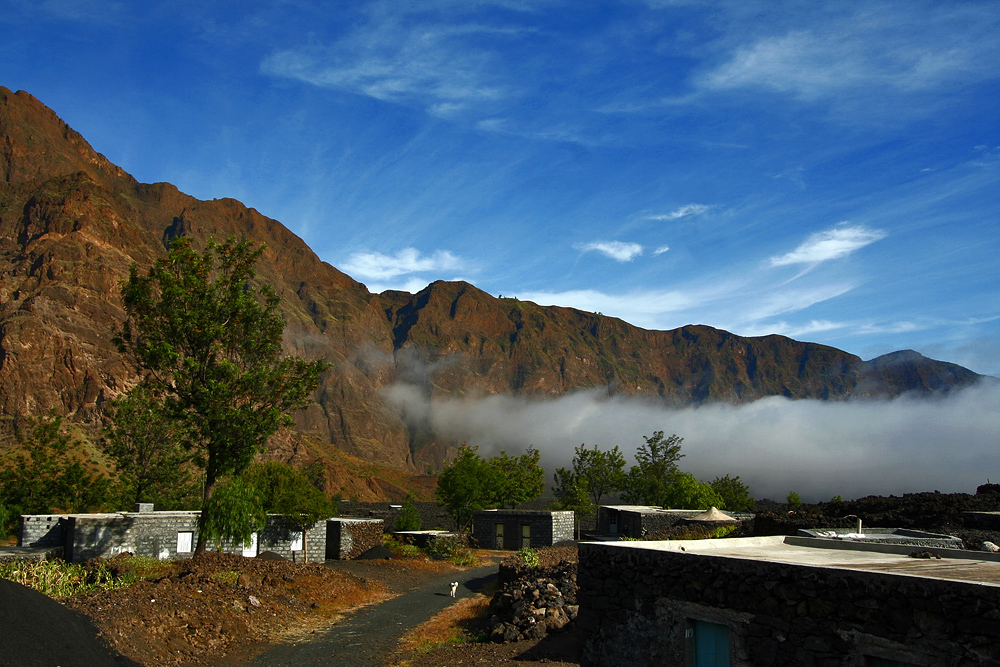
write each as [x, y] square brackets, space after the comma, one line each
[955, 564]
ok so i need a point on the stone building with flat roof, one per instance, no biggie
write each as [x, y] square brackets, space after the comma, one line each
[513, 529]
[787, 601]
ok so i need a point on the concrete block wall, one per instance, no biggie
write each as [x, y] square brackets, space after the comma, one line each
[278, 537]
[546, 528]
[348, 538]
[153, 534]
[157, 535]
[637, 607]
[42, 530]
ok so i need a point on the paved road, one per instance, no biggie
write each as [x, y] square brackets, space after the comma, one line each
[367, 637]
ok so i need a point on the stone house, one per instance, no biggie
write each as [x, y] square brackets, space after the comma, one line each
[513, 529]
[174, 535]
[787, 601]
[639, 520]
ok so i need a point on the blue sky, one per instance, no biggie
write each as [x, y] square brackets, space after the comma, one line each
[827, 171]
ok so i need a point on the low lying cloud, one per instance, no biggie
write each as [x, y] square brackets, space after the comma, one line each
[816, 448]
[834, 243]
[616, 250]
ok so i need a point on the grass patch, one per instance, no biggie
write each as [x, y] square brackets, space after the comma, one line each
[226, 576]
[59, 579]
[461, 622]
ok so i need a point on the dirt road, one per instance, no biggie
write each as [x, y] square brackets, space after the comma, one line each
[367, 637]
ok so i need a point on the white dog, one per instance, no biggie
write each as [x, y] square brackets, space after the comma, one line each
[454, 588]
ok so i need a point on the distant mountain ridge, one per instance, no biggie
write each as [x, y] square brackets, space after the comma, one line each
[71, 224]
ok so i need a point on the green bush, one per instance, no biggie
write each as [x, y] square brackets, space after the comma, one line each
[402, 549]
[443, 547]
[529, 556]
[463, 557]
[794, 501]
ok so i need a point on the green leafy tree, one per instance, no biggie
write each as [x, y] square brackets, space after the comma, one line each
[409, 517]
[234, 512]
[209, 343]
[49, 473]
[734, 494]
[288, 492]
[518, 478]
[793, 501]
[569, 494]
[686, 492]
[600, 472]
[648, 480]
[145, 444]
[466, 485]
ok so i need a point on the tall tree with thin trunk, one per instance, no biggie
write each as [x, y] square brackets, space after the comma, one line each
[208, 341]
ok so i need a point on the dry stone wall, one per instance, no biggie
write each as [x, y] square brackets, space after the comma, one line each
[349, 538]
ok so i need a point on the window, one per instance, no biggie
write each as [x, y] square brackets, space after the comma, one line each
[498, 536]
[185, 539]
[525, 536]
[296, 542]
[710, 644]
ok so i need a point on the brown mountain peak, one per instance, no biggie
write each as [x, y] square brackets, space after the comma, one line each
[37, 145]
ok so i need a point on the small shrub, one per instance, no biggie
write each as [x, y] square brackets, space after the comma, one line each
[463, 557]
[721, 531]
[402, 549]
[529, 556]
[226, 576]
[443, 547]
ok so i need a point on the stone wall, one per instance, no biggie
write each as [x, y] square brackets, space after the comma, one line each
[348, 538]
[638, 607]
[545, 528]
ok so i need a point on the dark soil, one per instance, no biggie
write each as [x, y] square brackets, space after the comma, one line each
[37, 631]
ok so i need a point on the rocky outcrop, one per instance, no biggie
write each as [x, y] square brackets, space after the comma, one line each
[534, 603]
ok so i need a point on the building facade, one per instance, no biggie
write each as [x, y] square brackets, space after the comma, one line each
[513, 529]
[173, 535]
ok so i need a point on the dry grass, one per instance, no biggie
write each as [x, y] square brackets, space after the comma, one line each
[461, 622]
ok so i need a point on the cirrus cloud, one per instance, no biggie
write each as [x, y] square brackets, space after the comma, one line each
[834, 243]
[616, 250]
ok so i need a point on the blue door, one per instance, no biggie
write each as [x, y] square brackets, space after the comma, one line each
[711, 644]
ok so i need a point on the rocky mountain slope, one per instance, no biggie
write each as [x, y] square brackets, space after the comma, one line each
[71, 224]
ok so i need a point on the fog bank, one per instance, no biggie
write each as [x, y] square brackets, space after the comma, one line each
[817, 448]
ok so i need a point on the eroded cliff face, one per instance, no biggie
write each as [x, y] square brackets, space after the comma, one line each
[72, 223]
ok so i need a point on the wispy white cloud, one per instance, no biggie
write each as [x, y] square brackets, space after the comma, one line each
[874, 50]
[742, 305]
[662, 249]
[834, 243]
[441, 66]
[409, 260]
[616, 250]
[682, 212]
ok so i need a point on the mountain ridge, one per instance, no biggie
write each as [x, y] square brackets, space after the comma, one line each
[72, 223]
